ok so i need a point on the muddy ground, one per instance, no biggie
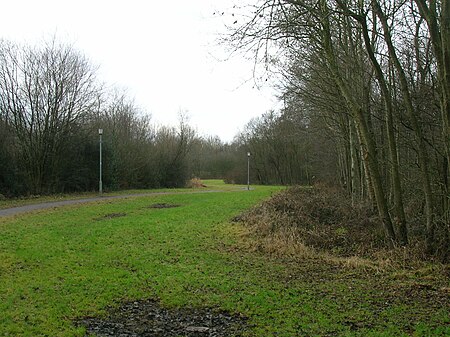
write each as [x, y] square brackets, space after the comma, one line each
[148, 318]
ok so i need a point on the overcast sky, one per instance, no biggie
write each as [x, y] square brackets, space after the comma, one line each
[165, 53]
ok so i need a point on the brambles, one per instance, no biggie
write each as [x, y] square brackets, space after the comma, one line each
[323, 219]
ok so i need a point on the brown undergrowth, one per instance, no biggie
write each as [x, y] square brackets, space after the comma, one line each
[195, 183]
[321, 220]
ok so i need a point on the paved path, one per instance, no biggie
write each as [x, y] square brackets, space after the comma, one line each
[51, 204]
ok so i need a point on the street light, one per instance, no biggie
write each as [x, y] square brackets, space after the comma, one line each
[100, 183]
[248, 171]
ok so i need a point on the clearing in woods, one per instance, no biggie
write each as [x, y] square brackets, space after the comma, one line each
[78, 269]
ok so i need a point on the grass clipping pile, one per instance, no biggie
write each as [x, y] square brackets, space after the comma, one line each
[304, 220]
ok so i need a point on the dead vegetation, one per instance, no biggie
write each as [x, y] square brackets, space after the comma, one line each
[322, 220]
[195, 183]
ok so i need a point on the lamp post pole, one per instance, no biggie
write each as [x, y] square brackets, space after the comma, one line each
[248, 171]
[100, 183]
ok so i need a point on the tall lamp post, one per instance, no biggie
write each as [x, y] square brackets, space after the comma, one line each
[248, 171]
[100, 183]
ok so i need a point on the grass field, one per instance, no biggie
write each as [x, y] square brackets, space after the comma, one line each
[59, 265]
[218, 185]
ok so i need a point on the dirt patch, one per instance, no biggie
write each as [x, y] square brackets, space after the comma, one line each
[163, 205]
[148, 318]
[110, 216]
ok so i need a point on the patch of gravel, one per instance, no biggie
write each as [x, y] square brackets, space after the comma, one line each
[147, 318]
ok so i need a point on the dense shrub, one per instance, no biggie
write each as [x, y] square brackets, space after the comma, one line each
[321, 218]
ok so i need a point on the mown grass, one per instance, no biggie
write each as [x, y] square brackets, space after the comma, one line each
[212, 184]
[59, 265]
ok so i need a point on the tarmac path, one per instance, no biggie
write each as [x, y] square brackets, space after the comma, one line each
[52, 204]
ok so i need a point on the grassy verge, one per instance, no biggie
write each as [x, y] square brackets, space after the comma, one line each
[216, 185]
[59, 265]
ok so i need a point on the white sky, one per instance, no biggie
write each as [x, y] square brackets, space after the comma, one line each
[163, 52]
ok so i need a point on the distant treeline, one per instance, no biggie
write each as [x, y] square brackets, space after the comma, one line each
[51, 107]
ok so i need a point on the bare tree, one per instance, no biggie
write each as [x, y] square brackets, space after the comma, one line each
[45, 92]
[364, 48]
[437, 16]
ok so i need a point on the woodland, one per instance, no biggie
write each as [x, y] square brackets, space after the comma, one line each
[365, 87]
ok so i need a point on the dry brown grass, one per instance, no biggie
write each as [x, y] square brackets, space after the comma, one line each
[195, 183]
[305, 222]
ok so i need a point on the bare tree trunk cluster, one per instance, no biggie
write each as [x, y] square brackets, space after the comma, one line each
[374, 52]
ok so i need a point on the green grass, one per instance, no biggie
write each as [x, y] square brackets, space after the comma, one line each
[217, 185]
[59, 265]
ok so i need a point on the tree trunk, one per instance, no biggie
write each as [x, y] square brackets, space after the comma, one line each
[369, 147]
[440, 39]
[399, 210]
[420, 144]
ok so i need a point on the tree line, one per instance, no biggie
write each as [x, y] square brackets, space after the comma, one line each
[52, 105]
[366, 88]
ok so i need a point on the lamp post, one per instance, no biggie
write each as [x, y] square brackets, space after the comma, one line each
[100, 183]
[248, 171]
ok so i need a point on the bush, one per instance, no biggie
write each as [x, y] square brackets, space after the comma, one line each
[322, 218]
